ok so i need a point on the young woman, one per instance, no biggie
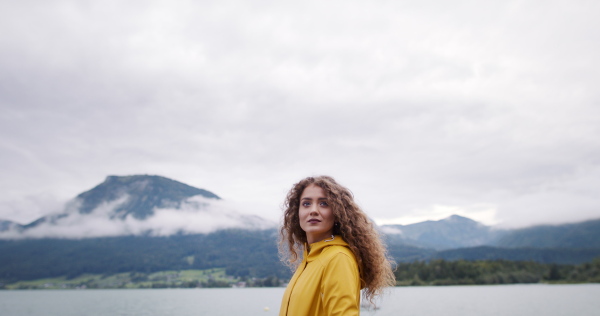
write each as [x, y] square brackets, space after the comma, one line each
[342, 252]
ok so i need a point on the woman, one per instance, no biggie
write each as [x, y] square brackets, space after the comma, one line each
[342, 252]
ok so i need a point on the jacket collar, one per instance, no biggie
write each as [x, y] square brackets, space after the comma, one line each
[318, 247]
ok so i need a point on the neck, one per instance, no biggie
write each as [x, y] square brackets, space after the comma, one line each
[313, 240]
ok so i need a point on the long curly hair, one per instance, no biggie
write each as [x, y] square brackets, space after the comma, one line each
[351, 223]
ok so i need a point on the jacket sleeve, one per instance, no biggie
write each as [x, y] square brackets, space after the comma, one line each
[340, 290]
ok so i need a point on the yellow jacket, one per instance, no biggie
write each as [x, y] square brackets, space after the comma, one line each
[327, 282]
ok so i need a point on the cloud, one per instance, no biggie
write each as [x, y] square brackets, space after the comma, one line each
[485, 214]
[412, 105]
[388, 230]
[196, 215]
[28, 208]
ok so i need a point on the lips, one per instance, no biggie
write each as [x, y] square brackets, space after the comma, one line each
[314, 220]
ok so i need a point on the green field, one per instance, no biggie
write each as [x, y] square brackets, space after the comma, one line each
[134, 280]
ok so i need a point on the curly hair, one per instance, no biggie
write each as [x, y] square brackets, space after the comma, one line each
[351, 223]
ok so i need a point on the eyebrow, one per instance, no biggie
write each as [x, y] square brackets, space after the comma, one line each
[310, 198]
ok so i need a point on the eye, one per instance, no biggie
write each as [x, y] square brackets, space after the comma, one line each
[305, 204]
[323, 203]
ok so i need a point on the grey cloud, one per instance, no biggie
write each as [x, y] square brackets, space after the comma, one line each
[196, 215]
[410, 104]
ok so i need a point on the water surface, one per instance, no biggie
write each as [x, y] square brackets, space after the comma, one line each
[514, 300]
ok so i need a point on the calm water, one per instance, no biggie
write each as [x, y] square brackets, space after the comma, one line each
[538, 299]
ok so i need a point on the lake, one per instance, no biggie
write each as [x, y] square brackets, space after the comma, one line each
[514, 300]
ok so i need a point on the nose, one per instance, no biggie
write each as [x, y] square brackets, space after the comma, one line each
[314, 210]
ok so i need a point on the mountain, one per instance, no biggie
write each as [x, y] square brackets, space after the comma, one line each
[457, 237]
[452, 232]
[145, 193]
[460, 232]
[137, 205]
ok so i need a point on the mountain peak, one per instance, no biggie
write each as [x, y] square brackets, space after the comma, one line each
[458, 219]
[140, 195]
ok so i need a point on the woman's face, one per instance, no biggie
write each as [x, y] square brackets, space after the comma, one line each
[316, 216]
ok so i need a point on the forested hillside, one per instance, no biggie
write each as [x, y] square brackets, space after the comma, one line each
[542, 255]
[442, 272]
[240, 252]
[243, 253]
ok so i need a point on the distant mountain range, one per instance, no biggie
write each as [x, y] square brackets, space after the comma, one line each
[452, 232]
[461, 232]
[151, 223]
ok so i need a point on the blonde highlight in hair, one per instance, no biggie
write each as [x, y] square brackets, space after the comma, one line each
[351, 223]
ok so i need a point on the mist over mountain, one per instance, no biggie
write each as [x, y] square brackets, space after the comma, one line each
[137, 205]
[8, 225]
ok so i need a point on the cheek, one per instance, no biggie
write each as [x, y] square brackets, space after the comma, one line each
[300, 215]
[330, 216]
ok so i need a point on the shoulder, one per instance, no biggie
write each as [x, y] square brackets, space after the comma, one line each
[336, 253]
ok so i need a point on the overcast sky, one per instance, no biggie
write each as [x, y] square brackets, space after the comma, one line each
[423, 109]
